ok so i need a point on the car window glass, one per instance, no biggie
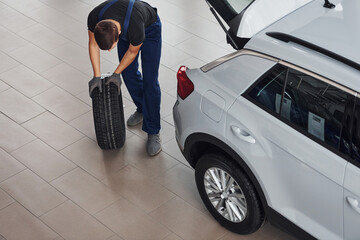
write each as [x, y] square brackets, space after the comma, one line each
[269, 90]
[238, 5]
[318, 108]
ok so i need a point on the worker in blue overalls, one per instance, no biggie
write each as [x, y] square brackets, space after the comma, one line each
[133, 26]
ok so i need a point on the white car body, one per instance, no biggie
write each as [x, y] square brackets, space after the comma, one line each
[262, 13]
[300, 180]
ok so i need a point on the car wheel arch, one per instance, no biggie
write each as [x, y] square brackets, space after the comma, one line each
[198, 144]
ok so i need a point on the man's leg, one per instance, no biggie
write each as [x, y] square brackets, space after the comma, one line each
[132, 77]
[150, 57]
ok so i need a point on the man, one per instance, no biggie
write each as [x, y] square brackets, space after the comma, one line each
[133, 26]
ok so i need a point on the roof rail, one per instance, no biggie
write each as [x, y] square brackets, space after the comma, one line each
[288, 38]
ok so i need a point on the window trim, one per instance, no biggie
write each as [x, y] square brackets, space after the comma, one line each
[209, 66]
[278, 116]
[357, 99]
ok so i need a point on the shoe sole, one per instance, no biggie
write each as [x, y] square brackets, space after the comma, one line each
[133, 125]
[154, 154]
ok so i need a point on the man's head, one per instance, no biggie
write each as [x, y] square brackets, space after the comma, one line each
[106, 34]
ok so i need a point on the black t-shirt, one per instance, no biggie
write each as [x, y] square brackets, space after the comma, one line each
[142, 16]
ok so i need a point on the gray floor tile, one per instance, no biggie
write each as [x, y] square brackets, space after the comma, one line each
[79, 12]
[7, 62]
[167, 78]
[78, 34]
[73, 223]
[62, 5]
[199, 8]
[167, 104]
[32, 192]
[172, 56]
[23, 6]
[111, 56]
[93, 3]
[12, 135]
[181, 180]
[115, 238]
[172, 237]
[26, 81]
[74, 55]
[43, 160]
[9, 166]
[14, 20]
[202, 49]
[205, 29]
[197, 226]
[3, 86]
[169, 119]
[61, 103]
[138, 189]
[171, 13]
[26, 55]
[18, 107]
[136, 226]
[136, 155]
[90, 157]
[173, 150]
[18, 223]
[51, 17]
[85, 124]
[84, 96]
[86, 191]
[172, 34]
[67, 78]
[53, 131]
[5, 200]
[43, 37]
[10, 41]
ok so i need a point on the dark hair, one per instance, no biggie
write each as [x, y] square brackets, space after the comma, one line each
[106, 33]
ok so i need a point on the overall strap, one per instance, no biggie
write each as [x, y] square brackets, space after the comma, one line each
[105, 8]
[127, 19]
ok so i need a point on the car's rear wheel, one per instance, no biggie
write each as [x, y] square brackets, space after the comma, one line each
[228, 194]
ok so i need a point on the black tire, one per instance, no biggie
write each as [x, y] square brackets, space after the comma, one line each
[254, 216]
[108, 115]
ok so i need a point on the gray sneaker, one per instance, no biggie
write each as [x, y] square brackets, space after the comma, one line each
[135, 119]
[153, 146]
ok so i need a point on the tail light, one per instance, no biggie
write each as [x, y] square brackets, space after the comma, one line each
[185, 86]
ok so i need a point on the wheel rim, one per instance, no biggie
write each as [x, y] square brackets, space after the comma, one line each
[225, 194]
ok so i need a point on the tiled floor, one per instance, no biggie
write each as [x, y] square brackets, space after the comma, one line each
[55, 182]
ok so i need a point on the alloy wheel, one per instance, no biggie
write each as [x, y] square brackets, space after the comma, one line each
[225, 194]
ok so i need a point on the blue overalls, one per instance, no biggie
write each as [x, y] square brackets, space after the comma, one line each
[144, 90]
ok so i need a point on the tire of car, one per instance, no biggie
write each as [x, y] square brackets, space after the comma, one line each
[222, 186]
[108, 113]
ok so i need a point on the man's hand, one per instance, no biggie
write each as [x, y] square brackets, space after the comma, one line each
[116, 79]
[95, 82]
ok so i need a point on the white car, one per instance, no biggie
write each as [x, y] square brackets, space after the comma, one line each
[273, 129]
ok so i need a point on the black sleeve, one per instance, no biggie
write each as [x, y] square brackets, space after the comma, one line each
[92, 20]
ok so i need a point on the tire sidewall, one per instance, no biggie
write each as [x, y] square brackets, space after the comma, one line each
[213, 160]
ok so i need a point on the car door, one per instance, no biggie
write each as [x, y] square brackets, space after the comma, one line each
[245, 18]
[291, 141]
[352, 183]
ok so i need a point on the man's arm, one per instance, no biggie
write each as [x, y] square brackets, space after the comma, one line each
[128, 58]
[94, 53]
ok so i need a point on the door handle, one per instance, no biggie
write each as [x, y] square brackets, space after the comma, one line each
[242, 134]
[354, 204]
